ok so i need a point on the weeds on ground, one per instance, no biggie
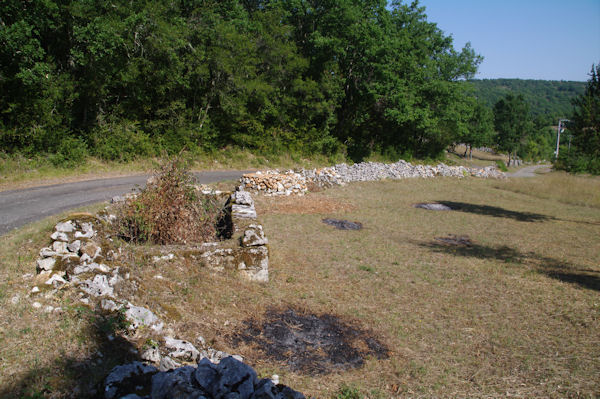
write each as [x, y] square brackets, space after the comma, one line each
[348, 392]
[169, 210]
[501, 165]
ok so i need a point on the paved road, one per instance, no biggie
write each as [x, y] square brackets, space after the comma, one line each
[19, 207]
[528, 171]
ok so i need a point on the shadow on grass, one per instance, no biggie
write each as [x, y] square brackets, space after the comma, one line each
[75, 375]
[496, 211]
[557, 269]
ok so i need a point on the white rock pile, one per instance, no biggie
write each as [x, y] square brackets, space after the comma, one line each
[273, 182]
[291, 182]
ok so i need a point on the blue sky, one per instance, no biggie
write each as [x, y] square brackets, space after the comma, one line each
[526, 39]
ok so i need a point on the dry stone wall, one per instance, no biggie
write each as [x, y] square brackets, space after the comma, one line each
[83, 256]
[298, 182]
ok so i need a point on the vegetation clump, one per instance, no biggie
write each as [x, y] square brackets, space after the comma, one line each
[169, 210]
[585, 130]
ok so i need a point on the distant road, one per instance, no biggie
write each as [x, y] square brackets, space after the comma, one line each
[528, 171]
[19, 207]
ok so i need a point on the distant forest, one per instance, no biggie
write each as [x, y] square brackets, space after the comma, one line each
[548, 99]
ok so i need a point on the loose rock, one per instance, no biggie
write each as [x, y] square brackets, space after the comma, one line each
[66, 227]
[97, 287]
[181, 349]
[46, 264]
[433, 206]
[140, 316]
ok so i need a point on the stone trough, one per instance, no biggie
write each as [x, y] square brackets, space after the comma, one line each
[245, 250]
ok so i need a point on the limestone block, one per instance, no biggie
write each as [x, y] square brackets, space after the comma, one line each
[181, 349]
[97, 287]
[74, 246]
[46, 264]
[60, 247]
[254, 236]
[140, 316]
[65, 227]
[59, 236]
[242, 198]
[47, 252]
[243, 211]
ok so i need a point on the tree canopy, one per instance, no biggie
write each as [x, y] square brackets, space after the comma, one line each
[585, 128]
[512, 122]
[123, 78]
[548, 100]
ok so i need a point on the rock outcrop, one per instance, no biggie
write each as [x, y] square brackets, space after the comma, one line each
[230, 378]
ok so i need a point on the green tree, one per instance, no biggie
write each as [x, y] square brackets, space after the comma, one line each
[273, 76]
[479, 130]
[586, 117]
[512, 123]
[585, 127]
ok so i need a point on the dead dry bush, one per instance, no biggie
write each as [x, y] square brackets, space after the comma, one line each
[169, 210]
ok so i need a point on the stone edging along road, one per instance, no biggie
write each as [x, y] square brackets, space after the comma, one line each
[19, 207]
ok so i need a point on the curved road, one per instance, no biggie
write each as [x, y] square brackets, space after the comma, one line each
[19, 207]
[528, 171]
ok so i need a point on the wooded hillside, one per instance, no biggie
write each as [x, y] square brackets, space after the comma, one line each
[122, 79]
[547, 99]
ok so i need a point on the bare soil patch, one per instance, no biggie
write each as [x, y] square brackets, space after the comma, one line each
[309, 343]
[301, 205]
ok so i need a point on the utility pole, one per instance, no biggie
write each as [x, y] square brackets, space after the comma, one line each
[558, 132]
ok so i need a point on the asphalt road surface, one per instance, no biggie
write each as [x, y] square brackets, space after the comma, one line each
[19, 207]
[528, 171]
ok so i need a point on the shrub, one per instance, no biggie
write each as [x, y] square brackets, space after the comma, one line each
[501, 165]
[579, 163]
[169, 210]
[122, 142]
[70, 152]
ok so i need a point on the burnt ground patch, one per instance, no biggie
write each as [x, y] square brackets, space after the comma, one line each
[343, 224]
[310, 344]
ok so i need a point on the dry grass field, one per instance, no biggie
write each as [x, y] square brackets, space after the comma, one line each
[510, 309]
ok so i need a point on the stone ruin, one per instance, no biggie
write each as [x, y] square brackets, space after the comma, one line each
[83, 256]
